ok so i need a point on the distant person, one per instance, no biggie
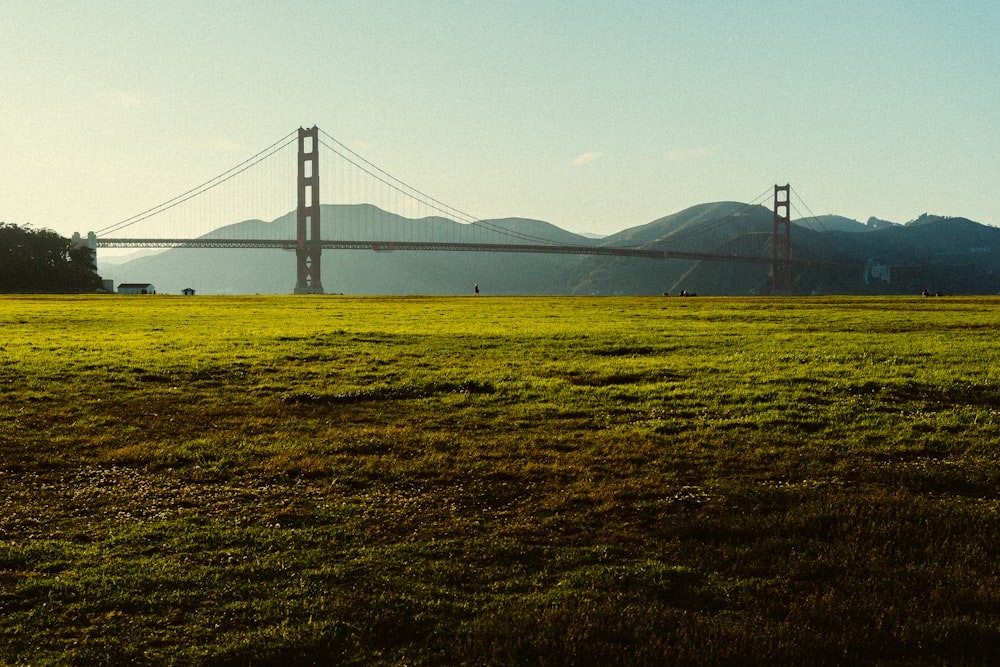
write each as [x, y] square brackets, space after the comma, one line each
[476, 289]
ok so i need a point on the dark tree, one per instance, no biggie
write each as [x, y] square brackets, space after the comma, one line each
[39, 260]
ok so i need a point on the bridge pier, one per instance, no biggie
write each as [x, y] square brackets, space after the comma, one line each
[309, 246]
[90, 243]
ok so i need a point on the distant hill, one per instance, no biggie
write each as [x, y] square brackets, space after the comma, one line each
[694, 227]
[948, 255]
[705, 228]
[833, 223]
[271, 271]
[834, 255]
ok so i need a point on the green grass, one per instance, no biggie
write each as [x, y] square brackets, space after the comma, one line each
[424, 481]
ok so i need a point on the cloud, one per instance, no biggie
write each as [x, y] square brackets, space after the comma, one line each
[587, 158]
[676, 155]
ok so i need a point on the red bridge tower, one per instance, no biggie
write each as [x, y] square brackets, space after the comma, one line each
[309, 248]
[781, 243]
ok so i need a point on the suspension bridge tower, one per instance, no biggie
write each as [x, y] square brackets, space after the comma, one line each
[781, 243]
[309, 247]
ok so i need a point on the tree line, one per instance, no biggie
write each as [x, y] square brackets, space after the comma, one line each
[39, 260]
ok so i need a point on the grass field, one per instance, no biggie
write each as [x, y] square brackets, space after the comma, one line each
[504, 481]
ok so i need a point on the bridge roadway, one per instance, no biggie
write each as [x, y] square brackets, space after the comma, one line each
[385, 246]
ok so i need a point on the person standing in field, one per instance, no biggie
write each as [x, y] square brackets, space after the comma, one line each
[476, 289]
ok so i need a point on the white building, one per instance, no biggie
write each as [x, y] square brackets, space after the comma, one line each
[136, 288]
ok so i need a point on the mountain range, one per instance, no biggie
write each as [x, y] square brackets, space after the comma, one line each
[831, 255]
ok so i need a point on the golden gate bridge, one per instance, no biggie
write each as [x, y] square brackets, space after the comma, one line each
[309, 243]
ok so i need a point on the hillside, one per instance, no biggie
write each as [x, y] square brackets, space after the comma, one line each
[271, 271]
[727, 228]
[833, 255]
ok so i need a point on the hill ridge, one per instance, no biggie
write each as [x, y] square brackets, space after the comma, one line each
[946, 254]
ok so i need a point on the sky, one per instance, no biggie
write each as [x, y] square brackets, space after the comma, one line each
[593, 115]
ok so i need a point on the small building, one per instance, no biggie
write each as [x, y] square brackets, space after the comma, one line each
[187, 291]
[136, 288]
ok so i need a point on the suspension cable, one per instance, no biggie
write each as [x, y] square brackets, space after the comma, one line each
[813, 216]
[402, 187]
[204, 187]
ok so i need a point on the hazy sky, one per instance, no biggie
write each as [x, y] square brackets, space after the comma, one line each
[592, 115]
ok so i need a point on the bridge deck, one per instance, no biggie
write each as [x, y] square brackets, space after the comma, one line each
[381, 246]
